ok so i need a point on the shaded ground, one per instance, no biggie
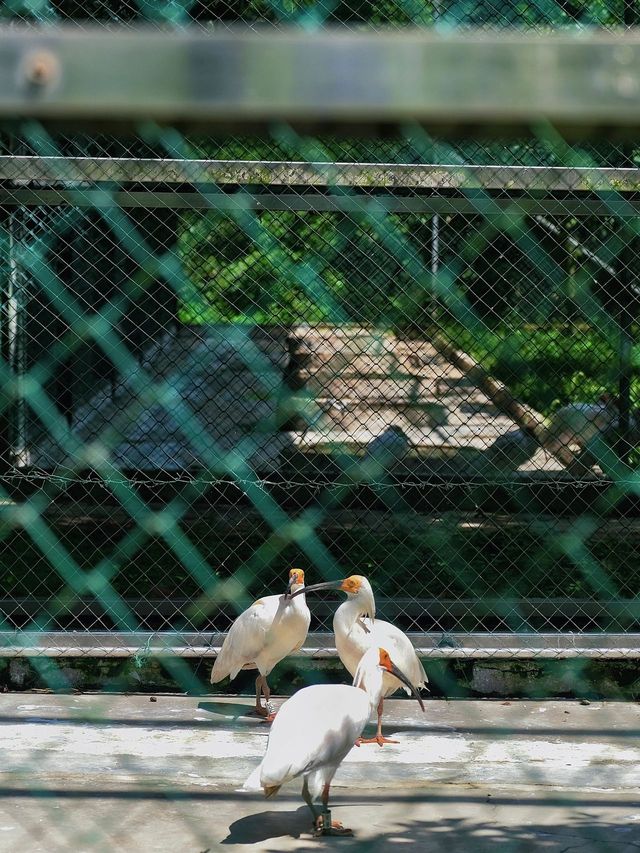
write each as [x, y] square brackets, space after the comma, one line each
[124, 773]
[453, 819]
[468, 572]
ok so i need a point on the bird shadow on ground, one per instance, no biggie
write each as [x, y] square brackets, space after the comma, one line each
[582, 832]
[231, 710]
[416, 727]
[268, 826]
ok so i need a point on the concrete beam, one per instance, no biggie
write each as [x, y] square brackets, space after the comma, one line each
[244, 78]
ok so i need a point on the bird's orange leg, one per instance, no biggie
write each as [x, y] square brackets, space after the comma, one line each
[379, 738]
[324, 825]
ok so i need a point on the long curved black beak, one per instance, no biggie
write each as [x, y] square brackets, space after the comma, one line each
[317, 586]
[403, 678]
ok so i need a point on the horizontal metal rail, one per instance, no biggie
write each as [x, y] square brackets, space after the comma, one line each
[85, 182]
[133, 170]
[318, 645]
[247, 78]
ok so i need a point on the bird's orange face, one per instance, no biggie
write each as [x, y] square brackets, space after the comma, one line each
[384, 660]
[352, 584]
[296, 577]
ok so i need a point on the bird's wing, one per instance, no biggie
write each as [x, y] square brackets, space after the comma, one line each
[401, 650]
[315, 728]
[305, 619]
[252, 782]
[246, 638]
[299, 646]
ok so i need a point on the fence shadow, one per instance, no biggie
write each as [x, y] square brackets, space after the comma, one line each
[478, 832]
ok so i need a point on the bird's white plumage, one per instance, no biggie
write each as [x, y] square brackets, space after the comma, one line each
[316, 728]
[313, 732]
[355, 633]
[264, 634]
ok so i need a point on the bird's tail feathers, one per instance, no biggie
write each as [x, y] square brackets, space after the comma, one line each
[423, 685]
[252, 782]
[221, 668]
[218, 670]
[271, 790]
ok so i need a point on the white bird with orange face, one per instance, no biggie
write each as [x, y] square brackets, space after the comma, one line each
[316, 728]
[356, 630]
[265, 633]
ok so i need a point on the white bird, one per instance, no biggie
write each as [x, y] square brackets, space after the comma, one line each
[316, 728]
[579, 423]
[356, 630]
[508, 452]
[272, 628]
[388, 449]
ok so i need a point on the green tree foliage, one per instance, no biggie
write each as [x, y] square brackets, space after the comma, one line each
[332, 268]
[526, 298]
[316, 267]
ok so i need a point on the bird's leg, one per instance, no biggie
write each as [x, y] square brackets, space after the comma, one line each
[379, 738]
[262, 688]
[323, 823]
[306, 795]
[270, 710]
[261, 684]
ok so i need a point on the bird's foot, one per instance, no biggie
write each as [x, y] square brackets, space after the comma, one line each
[268, 712]
[325, 826]
[379, 739]
[269, 719]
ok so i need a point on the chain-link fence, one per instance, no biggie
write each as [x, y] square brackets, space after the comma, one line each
[420, 373]
[410, 358]
[410, 355]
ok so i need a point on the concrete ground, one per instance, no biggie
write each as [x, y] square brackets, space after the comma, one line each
[124, 773]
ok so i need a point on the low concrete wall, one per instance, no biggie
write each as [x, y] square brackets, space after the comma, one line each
[596, 679]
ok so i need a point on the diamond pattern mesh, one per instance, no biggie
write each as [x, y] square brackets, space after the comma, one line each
[411, 358]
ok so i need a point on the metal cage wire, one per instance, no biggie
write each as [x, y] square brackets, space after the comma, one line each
[379, 390]
[224, 356]
[410, 355]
